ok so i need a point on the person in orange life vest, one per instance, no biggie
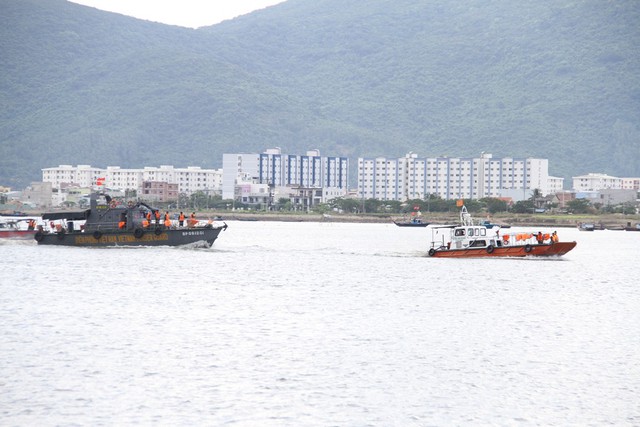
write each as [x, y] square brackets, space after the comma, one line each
[157, 217]
[539, 238]
[192, 220]
[167, 220]
[123, 221]
[145, 223]
[181, 219]
[32, 224]
[148, 217]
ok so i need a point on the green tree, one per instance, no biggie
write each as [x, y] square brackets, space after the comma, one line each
[494, 205]
[347, 205]
[578, 206]
[523, 206]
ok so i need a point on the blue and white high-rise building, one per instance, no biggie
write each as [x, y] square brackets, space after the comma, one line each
[279, 171]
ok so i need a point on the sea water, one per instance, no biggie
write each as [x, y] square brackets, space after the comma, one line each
[319, 324]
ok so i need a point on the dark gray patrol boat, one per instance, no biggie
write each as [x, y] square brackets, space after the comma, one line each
[108, 224]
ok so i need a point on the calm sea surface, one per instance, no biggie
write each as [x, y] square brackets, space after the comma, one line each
[319, 324]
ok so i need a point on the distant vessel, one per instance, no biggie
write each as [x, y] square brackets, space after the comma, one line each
[585, 226]
[107, 223]
[469, 240]
[490, 225]
[11, 230]
[414, 222]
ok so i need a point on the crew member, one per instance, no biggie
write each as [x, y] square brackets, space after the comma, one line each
[123, 221]
[539, 238]
[167, 220]
[554, 237]
[192, 220]
[181, 219]
[157, 212]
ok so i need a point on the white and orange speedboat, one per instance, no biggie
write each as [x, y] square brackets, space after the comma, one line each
[469, 240]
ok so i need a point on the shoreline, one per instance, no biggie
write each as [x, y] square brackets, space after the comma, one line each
[603, 222]
[609, 221]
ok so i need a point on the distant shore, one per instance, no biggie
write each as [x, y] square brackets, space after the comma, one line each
[608, 221]
[516, 220]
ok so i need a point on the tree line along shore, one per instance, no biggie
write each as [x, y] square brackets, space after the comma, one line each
[516, 220]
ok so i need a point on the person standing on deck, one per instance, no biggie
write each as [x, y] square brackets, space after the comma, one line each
[181, 219]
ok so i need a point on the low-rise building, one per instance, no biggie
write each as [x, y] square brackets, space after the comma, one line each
[188, 180]
[595, 182]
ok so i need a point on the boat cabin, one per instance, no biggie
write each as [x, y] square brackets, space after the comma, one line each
[462, 237]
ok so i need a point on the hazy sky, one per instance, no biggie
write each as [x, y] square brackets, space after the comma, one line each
[186, 13]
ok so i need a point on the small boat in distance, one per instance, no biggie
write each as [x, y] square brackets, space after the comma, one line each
[490, 225]
[469, 240]
[108, 223]
[414, 222]
[11, 229]
[586, 226]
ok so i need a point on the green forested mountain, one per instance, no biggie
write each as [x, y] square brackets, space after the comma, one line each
[554, 78]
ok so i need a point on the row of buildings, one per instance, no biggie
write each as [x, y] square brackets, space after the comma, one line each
[309, 179]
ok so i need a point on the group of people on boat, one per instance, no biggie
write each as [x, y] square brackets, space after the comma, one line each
[155, 214]
[539, 237]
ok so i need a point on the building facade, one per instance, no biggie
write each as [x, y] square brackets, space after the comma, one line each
[596, 182]
[188, 180]
[81, 175]
[280, 171]
[414, 177]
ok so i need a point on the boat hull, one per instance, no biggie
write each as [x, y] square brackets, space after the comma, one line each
[411, 224]
[17, 234]
[544, 250]
[164, 237]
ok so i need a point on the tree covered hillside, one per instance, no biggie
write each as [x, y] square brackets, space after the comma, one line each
[553, 79]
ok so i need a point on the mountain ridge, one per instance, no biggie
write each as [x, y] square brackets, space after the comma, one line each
[552, 79]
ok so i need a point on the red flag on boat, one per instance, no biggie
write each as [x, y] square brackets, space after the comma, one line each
[100, 181]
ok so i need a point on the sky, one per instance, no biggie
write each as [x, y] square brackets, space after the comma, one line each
[185, 13]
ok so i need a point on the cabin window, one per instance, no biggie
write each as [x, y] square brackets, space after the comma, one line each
[459, 232]
[470, 232]
[478, 244]
[483, 231]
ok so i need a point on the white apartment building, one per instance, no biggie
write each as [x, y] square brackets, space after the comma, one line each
[286, 170]
[595, 182]
[414, 177]
[556, 184]
[189, 180]
[631, 183]
[81, 175]
[117, 178]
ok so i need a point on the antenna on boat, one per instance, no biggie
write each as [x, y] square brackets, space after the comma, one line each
[465, 217]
